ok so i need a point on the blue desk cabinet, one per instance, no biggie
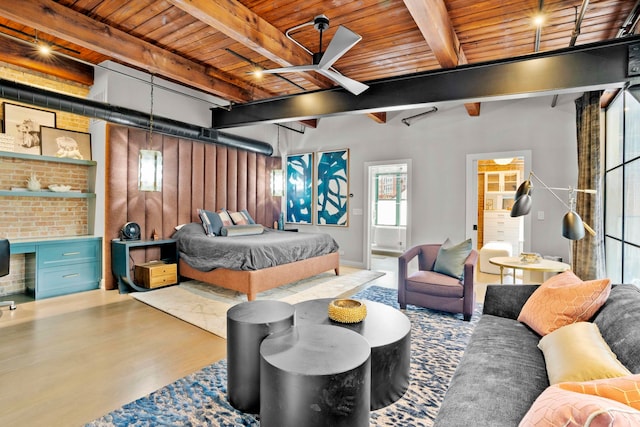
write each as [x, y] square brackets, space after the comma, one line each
[61, 265]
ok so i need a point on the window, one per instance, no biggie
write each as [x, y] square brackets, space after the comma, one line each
[391, 199]
[622, 198]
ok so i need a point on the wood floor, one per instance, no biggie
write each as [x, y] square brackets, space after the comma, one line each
[66, 361]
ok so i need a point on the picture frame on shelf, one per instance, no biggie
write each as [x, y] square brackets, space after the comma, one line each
[62, 143]
[332, 188]
[299, 188]
[24, 125]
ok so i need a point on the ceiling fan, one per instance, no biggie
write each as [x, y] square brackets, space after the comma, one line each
[343, 40]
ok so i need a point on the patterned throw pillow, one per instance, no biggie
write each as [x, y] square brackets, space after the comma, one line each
[247, 215]
[211, 222]
[238, 218]
[622, 389]
[225, 217]
[562, 300]
[559, 407]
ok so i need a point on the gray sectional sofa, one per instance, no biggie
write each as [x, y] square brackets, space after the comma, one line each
[502, 371]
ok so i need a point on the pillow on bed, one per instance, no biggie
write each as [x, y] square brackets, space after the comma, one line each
[247, 215]
[238, 218]
[211, 222]
[242, 230]
[225, 217]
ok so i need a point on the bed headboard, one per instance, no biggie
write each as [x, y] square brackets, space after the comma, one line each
[195, 175]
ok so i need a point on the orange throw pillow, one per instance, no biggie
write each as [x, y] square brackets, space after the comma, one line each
[622, 389]
[562, 300]
[558, 407]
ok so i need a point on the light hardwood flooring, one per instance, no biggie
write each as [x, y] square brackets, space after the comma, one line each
[66, 361]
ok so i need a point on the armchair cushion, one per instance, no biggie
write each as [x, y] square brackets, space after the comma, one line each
[450, 260]
[437, 284]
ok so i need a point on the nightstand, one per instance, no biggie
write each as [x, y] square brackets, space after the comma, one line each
[120, 260]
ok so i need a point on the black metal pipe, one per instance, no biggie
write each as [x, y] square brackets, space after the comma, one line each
[124, 116]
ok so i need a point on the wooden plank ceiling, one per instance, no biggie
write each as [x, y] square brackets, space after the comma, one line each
[214, 46]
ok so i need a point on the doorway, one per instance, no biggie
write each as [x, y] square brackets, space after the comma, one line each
[498, 182]
[387, 225]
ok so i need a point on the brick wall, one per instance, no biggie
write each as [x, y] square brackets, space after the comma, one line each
[25, 217]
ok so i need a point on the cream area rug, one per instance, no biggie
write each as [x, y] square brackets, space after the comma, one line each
[206, 305]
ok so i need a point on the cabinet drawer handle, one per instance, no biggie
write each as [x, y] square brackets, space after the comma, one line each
[68, 276]
[70, 253]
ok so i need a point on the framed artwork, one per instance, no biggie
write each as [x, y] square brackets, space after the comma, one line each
[65, 143]
[332, 186]
[23, 123]
[300, 188]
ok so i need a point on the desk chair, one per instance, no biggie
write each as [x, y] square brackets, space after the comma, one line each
[4, 268]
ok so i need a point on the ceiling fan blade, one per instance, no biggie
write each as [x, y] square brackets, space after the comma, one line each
[343, 40]
[292, 69]
[353, 86]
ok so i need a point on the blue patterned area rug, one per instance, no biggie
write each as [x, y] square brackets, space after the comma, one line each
[438, 341]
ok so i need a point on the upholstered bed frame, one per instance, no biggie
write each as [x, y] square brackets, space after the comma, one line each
[196, 175]
[251, 282]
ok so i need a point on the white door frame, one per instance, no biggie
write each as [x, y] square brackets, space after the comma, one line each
[366, 241]
[472, 192]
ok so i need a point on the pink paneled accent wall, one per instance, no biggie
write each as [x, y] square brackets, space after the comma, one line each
[195, 175]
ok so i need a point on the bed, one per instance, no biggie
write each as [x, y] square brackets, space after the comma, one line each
[254, 263]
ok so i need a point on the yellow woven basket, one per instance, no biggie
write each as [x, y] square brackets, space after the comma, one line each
[347, 311]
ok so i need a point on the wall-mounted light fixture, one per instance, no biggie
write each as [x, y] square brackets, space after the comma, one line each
[150, 161]
[572, 225]
[277, 182]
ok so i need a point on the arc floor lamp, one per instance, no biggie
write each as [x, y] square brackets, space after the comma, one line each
[572, 225]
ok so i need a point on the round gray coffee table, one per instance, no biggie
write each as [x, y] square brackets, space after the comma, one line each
[248, 323]
[315, 376]
[388, 332]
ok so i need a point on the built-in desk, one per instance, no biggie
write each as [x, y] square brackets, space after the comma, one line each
[60, 265]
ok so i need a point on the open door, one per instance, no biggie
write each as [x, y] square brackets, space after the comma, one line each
[387, 225]
[492, 179]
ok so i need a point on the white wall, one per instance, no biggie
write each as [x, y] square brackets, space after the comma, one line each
[130, 88]
[438, 146]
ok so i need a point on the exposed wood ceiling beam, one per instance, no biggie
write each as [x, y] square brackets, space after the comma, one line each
[52, 18]
[242, 25]
[432, 19]
[23, 55]
[379, 117]
[586, 67]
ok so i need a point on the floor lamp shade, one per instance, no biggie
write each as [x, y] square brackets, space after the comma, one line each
[522, 206]
[572, 226]
[524, 188]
